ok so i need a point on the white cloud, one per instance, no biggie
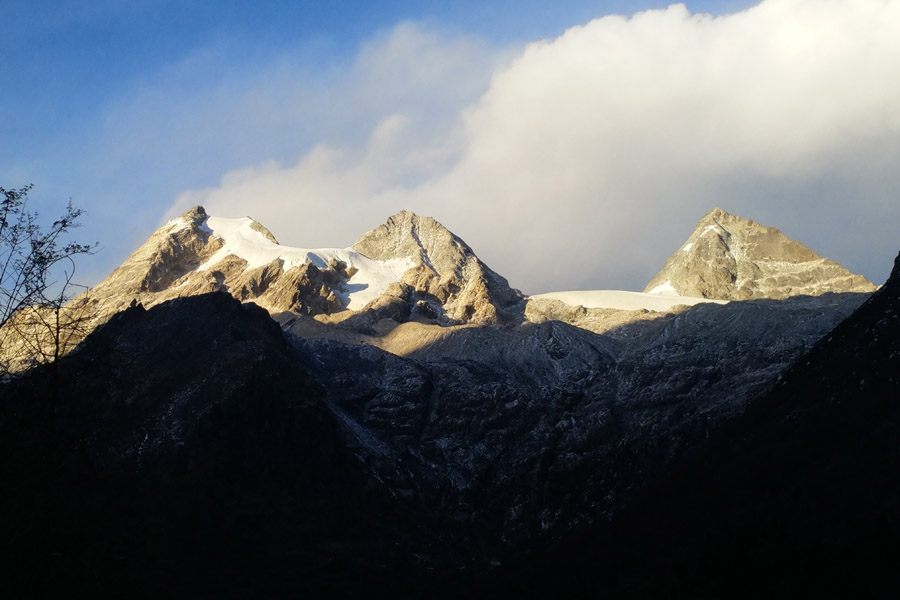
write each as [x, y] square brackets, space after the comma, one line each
[390, 120]
[589, 157]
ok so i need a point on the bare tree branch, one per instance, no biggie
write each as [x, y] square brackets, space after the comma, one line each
[38, 324]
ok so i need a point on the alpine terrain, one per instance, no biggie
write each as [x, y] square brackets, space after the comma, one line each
[730, 258]
[244, 418]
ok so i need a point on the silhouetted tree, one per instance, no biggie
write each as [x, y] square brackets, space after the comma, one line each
[37, 323]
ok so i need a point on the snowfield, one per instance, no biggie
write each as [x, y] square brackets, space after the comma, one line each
[622, 300]
[240, 239]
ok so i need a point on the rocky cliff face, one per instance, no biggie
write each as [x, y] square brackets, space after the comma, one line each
[447, 278]
[730, 258]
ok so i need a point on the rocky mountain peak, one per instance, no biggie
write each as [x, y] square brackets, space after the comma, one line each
[196, 215]
[731, 258]
[423, 239]
[174, 249]
[448, 280]
[715, 215]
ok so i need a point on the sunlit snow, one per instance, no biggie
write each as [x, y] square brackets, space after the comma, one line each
[369, 282]
[665, 289]
[623, 300]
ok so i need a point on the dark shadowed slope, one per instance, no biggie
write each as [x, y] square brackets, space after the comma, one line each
[189, 455]
[799, 497]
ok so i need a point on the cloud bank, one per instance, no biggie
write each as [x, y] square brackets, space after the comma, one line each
[583, 161]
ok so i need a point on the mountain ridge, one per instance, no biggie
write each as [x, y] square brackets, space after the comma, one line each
[412, 269]
[385, 447]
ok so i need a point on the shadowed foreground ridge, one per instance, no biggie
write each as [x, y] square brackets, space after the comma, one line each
[190, 454]
[799, 496]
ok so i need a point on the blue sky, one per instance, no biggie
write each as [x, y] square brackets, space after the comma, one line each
[321, 118]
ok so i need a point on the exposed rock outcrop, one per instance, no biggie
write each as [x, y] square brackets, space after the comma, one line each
[447, 277]
[730, 258]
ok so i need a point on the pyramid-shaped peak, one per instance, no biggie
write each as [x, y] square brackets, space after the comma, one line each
[731, 258]
[446, 268]
[403, 215]
[407, 234]
[717, 216]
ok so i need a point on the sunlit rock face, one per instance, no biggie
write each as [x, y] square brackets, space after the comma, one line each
[413, 269]
[730, 258]
[197, 253]
[410, 268]
[447, 275]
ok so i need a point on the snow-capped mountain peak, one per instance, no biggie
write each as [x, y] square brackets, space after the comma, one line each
[410, 267]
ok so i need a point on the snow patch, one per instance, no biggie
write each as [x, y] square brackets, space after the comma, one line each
[370, 281]
[687, 247]
[666, 289]
[177, 224]
[621, 300]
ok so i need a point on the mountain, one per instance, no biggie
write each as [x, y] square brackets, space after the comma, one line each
[410, 268]
[412, 271]
[185, 451]
[797, 496]
[730, 258]
[330, 442]
[247, 460]
[447, 278]
[409, 260]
